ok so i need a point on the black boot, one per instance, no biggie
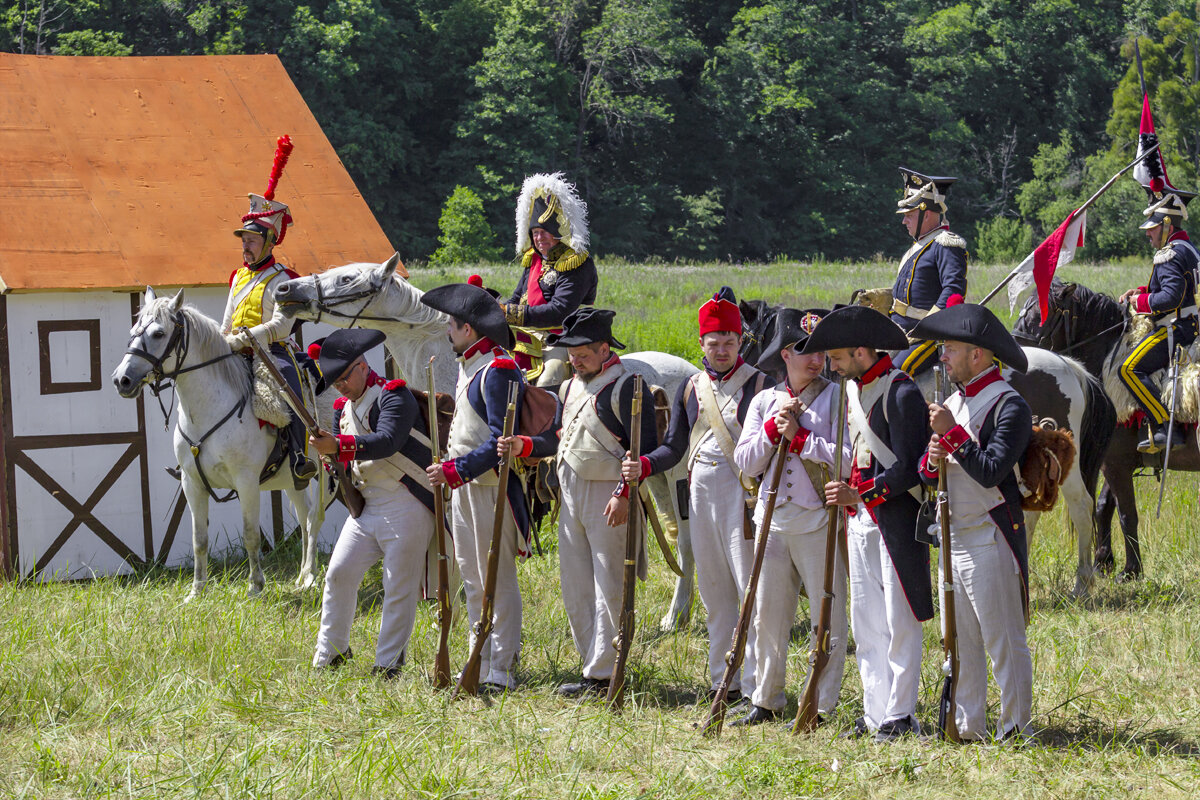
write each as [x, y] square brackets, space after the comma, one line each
[1160, 438]
[303, 469]
[757, 716]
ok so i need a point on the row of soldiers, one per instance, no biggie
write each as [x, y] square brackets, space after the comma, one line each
[726, 421]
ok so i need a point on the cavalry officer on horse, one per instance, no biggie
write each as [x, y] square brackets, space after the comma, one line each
[558, 275]
[934, 268]
[251, 300]
[982, 431]
[1170, 300]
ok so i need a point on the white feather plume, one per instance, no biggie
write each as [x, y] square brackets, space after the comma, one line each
[573, 209]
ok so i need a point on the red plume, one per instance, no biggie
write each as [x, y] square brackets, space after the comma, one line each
[314, 350]
[283, 150]
[954, 300]
[475, 280]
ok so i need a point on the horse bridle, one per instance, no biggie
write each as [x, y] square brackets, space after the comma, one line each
[158, 378]
[327, 307]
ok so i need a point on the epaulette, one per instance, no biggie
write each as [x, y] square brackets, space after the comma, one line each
[232, 275]
[527, 259]
[950, 239]
[339, 404]
[1164, 255]
[570, 262]
[292, 274]
[393, 385]
[504, 363]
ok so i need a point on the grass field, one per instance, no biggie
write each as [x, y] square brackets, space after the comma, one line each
[115, 688]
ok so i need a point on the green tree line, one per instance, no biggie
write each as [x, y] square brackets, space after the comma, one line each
[703, 129]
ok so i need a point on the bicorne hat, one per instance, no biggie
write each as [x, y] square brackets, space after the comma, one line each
[792, 329]
[474, 306]
[549, 202]
[341, 348]
[586, 325]
[976, 325]
[855, 326]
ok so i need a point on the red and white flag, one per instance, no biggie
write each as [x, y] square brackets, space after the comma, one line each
[1040, 265]
[1150, 172]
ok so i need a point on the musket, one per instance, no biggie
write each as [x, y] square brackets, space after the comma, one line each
[737, 649]
[806, 714]
[351, 496]
[441, 670]
[946, 724]
[1174, 375]
[616, 685]
[468, 681]
[1015, 270]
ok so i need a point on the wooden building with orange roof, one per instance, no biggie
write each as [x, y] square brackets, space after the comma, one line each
[115, 174]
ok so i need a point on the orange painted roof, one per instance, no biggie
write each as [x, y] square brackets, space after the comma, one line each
[121, 172]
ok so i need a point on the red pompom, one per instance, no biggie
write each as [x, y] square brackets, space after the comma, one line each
[475, 280]
[283, 151]
[954, 300]
[393, 385]
[314, 350]
[339, 404]
[504, 363]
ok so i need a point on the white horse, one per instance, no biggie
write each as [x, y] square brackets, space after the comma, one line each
[377, 296]
[218, 442]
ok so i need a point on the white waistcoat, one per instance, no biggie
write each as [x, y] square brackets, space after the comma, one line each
[468, 430]
[591, 450]
[969, 500]
[383, 473]
[728, 394]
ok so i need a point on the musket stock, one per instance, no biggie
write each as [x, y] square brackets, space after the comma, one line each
[441, 672]
[616, 685]
[947, 703]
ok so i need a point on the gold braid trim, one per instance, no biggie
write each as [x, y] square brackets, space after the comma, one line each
[569, 261]
[514, 313]
[527, 259]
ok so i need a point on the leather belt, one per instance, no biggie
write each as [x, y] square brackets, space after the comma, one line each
[1168, 318]
[905, 310]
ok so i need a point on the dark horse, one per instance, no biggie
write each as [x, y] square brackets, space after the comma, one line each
[1054, 387]
[1088, 326]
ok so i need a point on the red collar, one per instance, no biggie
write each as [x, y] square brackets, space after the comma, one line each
[985, 378]
[613, 360]
[880, 368]
[1180, 236]
[483, 345]
[270, 262]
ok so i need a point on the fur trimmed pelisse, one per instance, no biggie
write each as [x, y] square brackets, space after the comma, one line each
[1188, 412]
[878, 299]
[1048, 459]
[268, 404]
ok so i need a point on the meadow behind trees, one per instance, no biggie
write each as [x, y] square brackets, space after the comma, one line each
[115, 688]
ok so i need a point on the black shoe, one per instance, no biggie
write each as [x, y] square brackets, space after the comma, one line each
[1160, 438]
[732, 697]
[584, 687]
[859, 730]
[303, 471]
[893, 729]
[387, 673]
[488, 688]
[340, 659]
[757, 716]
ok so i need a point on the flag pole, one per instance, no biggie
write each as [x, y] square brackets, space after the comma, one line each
[1008, 278]
[1137, 54]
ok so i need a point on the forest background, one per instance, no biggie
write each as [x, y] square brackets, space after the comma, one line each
[703, 129]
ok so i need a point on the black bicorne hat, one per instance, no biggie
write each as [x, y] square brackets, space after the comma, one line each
[545, 216]
[474, 306]
[855, 326]
[923, 192]
[342, 348]
[586, 325]
[976, 325]
[793, 327]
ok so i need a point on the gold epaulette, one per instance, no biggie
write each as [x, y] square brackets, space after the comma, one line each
[950, 239]
[527, 259]
[569, 261]
[1164, 255]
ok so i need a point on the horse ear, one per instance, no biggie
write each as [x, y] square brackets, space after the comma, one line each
[150, 296]
[177, 301]
[749, 312]
[394, 265]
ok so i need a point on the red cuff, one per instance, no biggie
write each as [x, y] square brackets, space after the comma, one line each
[1141, 303]
[645, 468]
[955, 438]
[622, 489]
[347, 447]
[926, 470]
[450, 472]
[772, 430]
[872, 494]
[799, 439]
[526, 446]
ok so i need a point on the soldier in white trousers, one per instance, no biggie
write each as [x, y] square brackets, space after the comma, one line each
[982, 431]
[802, 410]
[383, 441]
[706, 421]
[481, 337]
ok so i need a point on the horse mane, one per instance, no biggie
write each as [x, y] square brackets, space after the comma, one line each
[412, 311]
[205, 340]
[1098, 307]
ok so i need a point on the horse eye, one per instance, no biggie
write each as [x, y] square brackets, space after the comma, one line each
[346, 278]
[157, 334]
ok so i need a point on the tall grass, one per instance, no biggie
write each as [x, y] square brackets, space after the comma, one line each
[114, 688]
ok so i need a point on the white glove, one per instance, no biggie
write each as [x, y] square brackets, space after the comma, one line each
[237, 341]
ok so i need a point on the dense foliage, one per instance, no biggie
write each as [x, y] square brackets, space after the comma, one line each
[704, 129]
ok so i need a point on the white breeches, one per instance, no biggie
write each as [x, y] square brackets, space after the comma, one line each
[395, 527]
[990, 622]
[473, 514]
[793, 560]
[886, 631]
[724, 559]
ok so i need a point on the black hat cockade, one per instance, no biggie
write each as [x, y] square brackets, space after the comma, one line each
[976, 325]
[586, 325]
[1165, 204]
[474, 306]
[923, 192]
[855, 326]
[337, 351]
[793, 327]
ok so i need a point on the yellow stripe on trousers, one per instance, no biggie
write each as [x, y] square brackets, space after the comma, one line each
[1139, 389]
[917, 358]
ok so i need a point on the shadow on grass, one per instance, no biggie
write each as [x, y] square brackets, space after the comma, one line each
[1143, 594]
[1092, 735]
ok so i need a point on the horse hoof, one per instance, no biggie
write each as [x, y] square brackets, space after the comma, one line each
[305, 582]
[1128, 576]
[674, 623]
[192, 595]
[254, 591]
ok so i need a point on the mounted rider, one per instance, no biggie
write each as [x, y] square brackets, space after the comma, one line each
[1170, 300]
[932, 270]
[251, 300]
[558, 275]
